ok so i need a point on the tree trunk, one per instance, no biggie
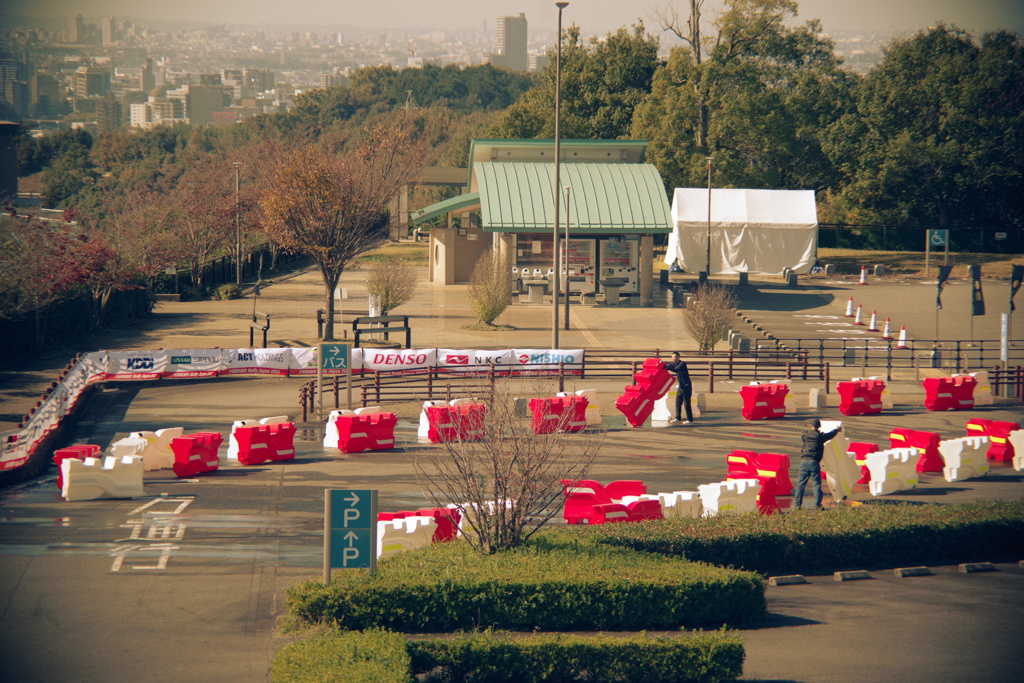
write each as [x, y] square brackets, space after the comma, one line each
[330, 283]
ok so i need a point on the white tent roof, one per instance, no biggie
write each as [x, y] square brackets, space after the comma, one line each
[754, 231]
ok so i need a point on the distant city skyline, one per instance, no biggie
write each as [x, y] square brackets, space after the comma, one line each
[594, 17]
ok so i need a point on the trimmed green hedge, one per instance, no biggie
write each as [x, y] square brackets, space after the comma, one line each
[870, 536]
[495, 657]
[450, 587]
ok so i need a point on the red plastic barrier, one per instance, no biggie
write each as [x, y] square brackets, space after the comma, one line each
[761, 466]
[259, 443]
[926, 442]
[562, 413]
[766, 503]
[584, 496]
[447, 523]
[860, 451]
[196, 453]
[860, 397]
[949, 393]
[371, 432]
[764, 401]
[461, 422]
[637, 511]
[998, 433]
[77, 452]
[652, 382]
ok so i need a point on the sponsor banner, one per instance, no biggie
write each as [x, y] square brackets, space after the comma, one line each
[135, 365]
[476, 361]
[545, 361]
[192, 363]
[304, 362]
[257, 361]
[396, 360]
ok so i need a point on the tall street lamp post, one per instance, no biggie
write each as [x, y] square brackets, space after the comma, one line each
[568, 288]
[708, 270]
[557, 271]
[238, 232]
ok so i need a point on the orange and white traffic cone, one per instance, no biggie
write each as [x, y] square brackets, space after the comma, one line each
[887, 331]
[902, 343]
[857, 320]
[849, 308]
[863, 275]
[874, 322]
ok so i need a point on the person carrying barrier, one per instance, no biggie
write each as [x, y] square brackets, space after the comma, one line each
[685, 390]
[811, 453]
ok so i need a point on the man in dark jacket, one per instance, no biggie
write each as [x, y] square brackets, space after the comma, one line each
[810, 462]
[685, 389]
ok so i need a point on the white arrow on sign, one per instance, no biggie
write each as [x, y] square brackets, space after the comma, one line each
[352, 499]
[351, 537]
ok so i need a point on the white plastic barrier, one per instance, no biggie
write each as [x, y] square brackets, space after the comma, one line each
[232, 453]
[841, 468]
[732, 497]
[1016, 440]
[983, 390]
[665, 407]
[407, 533]
[424, 427]
[681, 504]
[93, 478]
[157, 453]
[892, 470]
[964, 458]
[331, 434]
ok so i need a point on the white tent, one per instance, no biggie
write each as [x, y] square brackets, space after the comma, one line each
[752, 231]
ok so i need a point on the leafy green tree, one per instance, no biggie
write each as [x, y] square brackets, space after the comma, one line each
[603, 81]
[937, 136]
[753, 94]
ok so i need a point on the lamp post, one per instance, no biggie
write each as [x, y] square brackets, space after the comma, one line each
[568, 190]
[238, 232]
[708, 271]
[558, 189]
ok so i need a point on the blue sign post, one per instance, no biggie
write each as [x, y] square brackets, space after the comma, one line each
[350, 530]
[334, 356]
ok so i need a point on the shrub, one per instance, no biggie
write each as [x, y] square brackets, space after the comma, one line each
[490, 287]
[190, 293]
[869, 536]
[368, 657]
[708, 314]
[450, 587]
[393, 279]
[228, 291]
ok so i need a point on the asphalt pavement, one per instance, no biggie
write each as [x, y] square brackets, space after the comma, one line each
[188, 581]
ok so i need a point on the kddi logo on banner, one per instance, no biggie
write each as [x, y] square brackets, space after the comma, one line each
[140, 364]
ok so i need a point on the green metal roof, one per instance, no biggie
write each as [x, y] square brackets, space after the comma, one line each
[605, 198]
[460, 204]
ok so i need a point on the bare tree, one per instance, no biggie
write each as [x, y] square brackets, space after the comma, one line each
[393, 279]
[708, 314]
[490, 287]
[508, 484]
[332, 206]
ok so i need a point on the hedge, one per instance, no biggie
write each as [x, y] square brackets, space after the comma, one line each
[450, 587]
[875, 535]
[496, 657]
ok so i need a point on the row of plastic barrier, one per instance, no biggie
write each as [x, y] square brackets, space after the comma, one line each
[927, 443]
[559, 414]
[765, 401]
[1000, 449]
[153, 447]
[955, 392]
[861, 396]
[730, 497]
[363, 429]
[652, 382]
[964, 457]
[77, 452]
[461, 419]
[408, 530]
[892, 470]
[589, 502]
[253, 442]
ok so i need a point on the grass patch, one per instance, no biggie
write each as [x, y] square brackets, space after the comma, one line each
[486, 327]
[415, 253]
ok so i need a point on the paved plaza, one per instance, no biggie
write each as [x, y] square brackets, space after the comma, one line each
[187, 582]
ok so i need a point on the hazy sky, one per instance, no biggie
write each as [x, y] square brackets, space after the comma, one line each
[594, 17]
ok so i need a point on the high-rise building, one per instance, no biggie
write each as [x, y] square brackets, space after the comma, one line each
[108, 30]
[147, 80]
[91, 81]
[108, 114]
[76, 29]
[512, 38]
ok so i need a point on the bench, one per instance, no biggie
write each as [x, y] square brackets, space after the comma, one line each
[368, 325]
[347, 316]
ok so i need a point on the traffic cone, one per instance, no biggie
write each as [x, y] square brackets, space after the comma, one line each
[863, 275]
[849, 308]
[887, 331]
[858, 321]
[902, 343]
[874, 322]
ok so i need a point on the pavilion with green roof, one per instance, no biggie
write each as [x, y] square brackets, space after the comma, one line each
[614, 205]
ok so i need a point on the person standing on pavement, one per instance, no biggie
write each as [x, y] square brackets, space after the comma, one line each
[811, 452]
[685, 389]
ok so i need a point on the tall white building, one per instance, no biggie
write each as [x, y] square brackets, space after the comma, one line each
[512, 38]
